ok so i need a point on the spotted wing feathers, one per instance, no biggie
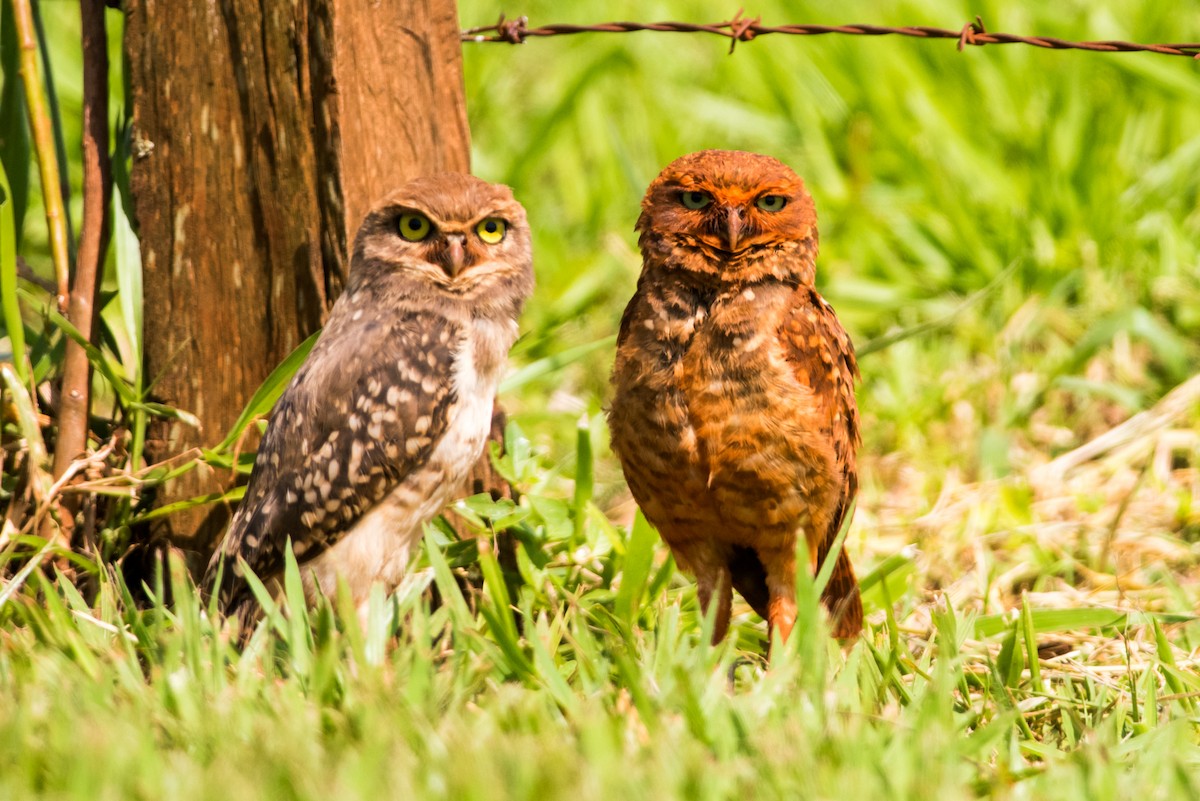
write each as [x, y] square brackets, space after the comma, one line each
[363, 412]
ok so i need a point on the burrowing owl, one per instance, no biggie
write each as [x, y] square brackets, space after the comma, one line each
[734, 414]
[380, 426]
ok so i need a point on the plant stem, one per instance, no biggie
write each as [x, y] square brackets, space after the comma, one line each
[43, 144]
[56, 126]
[75, 401]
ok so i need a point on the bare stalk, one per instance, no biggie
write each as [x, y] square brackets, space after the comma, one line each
[75, 400]
[43, 145]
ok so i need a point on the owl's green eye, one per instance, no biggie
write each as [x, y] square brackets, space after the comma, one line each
[695, 200]
[771, 202]
[491, 230]
[414, 227]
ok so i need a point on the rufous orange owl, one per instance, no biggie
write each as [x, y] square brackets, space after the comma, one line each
[733, 412]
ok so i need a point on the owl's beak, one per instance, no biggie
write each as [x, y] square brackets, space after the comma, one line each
[733, 228]
[456, 256]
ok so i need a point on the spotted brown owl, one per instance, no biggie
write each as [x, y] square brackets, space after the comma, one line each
[381, 425]
[734, 415]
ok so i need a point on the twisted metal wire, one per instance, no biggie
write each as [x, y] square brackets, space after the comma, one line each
[744, 29]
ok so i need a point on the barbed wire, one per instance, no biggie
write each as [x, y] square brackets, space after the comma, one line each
[744, 29]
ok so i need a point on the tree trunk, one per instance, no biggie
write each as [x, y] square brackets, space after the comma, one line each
[261, 135]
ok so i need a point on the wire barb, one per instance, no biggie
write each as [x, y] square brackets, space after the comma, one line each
[743, 29]
[969, 32]
[512, 31]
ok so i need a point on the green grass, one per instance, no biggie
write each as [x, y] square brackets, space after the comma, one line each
[556, 692]
[1012, 237]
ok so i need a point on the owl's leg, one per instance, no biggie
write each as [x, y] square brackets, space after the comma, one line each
[780, 566]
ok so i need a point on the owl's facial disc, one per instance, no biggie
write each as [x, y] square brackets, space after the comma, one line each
[725, 206]
[730, 217]
[735, 219]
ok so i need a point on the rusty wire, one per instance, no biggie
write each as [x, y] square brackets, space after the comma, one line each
[744, 29]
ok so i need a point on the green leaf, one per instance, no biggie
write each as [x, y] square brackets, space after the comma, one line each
[10, 309]
[1170, 670]
[271, 613]
[894, 337]
[499, 514]
[268, 393]
[56, 127]
[14, 135]
[1128, 397]
[96, 357]
[127, 261]
[1029, 634]
[451, 594]
[889, 579]
[299, 632]
[27, 420]
[548, 672]
[639, 559]
[555, 515]
[235, 494]
[1048, 620]
[497, 612]
[166, 412]
[584, 479]
[822, 577]
[15, 583]
[1011, 661]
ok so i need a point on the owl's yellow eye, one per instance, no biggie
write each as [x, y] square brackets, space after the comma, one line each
[695, 200]
[491, 230]
[771, 202]
[414, 227]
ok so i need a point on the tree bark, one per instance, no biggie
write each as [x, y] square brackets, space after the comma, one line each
[261, 134]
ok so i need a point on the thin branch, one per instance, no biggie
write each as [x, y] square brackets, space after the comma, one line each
[43, 144]
[75, 400]
[56, 489]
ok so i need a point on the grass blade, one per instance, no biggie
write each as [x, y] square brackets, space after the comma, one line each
[10, 309]
[14, 136]
[268, 392]
[639, 559]
[1029, 635]
[1050, 620]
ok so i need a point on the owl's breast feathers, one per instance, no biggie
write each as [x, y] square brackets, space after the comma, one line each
[737, 413]
[367, 409]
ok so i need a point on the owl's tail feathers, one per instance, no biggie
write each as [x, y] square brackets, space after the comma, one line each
[842, 599]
